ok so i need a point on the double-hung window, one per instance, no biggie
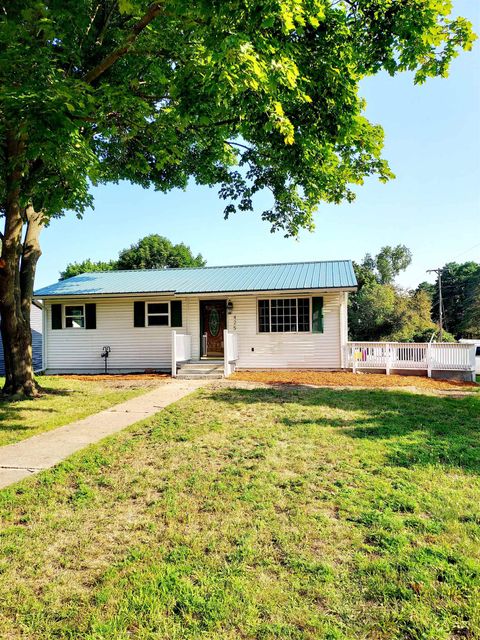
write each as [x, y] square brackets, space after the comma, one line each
[74, 316]
[158, 314]
[284, 315]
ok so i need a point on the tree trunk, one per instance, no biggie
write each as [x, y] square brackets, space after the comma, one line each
[17, 272]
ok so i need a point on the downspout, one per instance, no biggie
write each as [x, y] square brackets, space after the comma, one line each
[343, 327]
[44, 336]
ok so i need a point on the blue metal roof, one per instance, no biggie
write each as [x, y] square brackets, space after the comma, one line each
[337, 274]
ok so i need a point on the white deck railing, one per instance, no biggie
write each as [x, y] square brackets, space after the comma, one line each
[230, 352]
[402, 355]
[181, 349]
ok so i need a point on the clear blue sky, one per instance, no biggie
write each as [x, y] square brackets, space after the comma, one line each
[432, 142]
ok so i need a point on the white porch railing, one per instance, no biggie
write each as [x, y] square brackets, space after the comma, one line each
[402, 355]
[230, 352]
[181, 349]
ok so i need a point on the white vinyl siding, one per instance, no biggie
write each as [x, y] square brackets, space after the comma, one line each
[149, 348]
[133, 348]
[191, 322]
[303, 350]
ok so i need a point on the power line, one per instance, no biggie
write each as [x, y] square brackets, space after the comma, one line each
[463, 298]
[466, 251]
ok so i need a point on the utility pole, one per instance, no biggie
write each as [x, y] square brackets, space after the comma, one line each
[440, 300]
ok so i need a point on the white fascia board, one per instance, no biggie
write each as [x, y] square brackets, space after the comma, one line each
[207, 295]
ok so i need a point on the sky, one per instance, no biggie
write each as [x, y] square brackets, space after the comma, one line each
[432, 142]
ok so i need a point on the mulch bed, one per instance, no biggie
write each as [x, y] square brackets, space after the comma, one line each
[347, 379]
[116, 376]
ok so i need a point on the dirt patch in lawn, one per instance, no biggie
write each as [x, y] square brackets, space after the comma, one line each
[348, 379]
[122, 380]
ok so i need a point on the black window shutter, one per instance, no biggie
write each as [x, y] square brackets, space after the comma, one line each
[90, 316]
[56, 316]
[176, 313]
[317, 315]
[139, 314]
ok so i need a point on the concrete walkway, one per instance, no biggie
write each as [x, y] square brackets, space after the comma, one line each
[22, 459]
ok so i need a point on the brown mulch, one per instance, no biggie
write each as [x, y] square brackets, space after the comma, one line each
[348, 379]
[117, 376]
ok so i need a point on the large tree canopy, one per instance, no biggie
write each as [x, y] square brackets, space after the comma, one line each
[248, 96]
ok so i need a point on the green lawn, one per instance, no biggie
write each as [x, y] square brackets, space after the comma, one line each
[66, 400]
[256, 514]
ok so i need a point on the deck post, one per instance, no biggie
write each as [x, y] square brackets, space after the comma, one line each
[473, 351]
[387, 358]
[174, 354]
[226, 358]
[429, 359]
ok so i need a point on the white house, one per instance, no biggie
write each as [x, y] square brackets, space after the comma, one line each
[272, 315]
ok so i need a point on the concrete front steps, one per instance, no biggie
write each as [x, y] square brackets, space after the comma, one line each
[201, 370]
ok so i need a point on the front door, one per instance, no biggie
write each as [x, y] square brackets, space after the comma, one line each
[213, 314]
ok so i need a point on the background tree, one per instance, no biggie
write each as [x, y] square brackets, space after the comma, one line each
[471, 324]
[412, 319]
[461, 294]
[428, 288]
[386, 265]
[246, 96]
[157, 252]
[380, 310]
[150, 252]
[86, 266]
[371, 312]
[391, 261]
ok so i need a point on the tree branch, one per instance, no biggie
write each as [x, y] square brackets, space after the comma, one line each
[219, 123]
[30, 254]
[106, 22]
[238, 144]
[154, 10]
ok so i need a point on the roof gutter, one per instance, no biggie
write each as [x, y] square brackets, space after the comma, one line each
[179, 294]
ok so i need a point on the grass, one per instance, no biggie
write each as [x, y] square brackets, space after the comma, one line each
[264, 514]
[350, 379]
[66, 400]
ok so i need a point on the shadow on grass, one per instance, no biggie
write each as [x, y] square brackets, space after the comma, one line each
[14, 410]
[416, 429]
[45, 392]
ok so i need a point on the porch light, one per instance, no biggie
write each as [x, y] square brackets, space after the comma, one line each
[229, 306]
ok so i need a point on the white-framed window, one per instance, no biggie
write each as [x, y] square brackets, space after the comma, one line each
[284, 315]
[74, 316]
[158, 314]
